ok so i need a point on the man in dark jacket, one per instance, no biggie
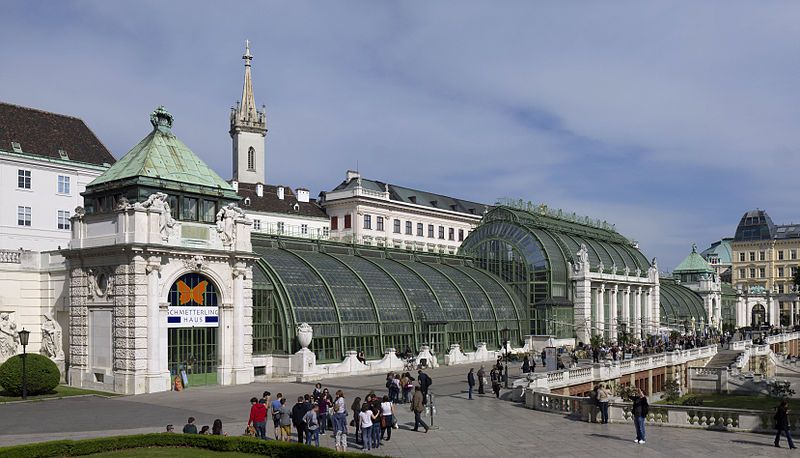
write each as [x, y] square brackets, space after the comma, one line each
[782, 424]
[640, 410]
[425, 383]
[481, 380]
[471, 381]
[298, 412]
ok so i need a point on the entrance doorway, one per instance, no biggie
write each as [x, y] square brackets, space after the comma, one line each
[193, 320]
[759, 316]
[192, 354]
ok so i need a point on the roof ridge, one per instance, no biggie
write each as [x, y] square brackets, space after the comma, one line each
[44, 111]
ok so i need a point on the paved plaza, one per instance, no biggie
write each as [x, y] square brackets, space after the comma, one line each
[482, 427]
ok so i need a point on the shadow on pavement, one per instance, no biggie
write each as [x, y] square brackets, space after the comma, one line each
[608, 436]
[740, 441]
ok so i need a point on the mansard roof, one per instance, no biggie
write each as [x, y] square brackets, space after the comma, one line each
[415, 196]
[42, 133]
[270, 203]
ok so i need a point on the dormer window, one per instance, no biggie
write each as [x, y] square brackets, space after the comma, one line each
[434, 203]
[296, 207]
[246, 201]
[16, 147]
[63, 154]
[413, 199]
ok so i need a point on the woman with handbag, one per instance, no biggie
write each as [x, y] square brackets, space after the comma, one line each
[387, 418]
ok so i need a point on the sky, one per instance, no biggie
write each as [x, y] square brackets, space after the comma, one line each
[668, 119]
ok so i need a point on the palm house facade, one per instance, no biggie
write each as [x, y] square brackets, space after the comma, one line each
[577, 277]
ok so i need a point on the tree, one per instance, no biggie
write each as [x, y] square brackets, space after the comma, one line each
[672, 390]
[796, 278]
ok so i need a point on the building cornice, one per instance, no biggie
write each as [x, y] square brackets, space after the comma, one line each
[52, 161]
[402, 206]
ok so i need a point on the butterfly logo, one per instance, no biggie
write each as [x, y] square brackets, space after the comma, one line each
[188, 294]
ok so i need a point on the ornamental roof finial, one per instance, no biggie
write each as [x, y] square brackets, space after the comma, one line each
[247, 56]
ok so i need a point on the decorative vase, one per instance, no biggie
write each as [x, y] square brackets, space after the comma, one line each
[304, 334]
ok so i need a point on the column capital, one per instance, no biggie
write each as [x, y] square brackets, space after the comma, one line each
[239, 270]
[153, 264]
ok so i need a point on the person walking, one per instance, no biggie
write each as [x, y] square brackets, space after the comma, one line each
[602, 399]
[311, 420]
[418, 407]
[481, 380]
[470, 381]
[495, 378]
[640, 411]
[387, 418]
[526, 365]
[365, 423]
[356, 408]
[782, 424]
[425, 383]
[258, 417]
[340, 422]
[285, 421]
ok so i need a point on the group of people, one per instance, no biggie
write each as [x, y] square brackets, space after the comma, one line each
[599, 399]
[314, 413]
[191, 428]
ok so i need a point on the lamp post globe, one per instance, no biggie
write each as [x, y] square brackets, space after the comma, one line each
[24, 335]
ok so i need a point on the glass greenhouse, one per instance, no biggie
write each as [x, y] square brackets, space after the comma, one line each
[370, 299]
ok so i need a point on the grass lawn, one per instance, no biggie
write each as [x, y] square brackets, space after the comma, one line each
[170, 452]
[732, 401]
[61, 391]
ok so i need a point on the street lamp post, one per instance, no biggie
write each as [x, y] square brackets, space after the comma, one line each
[504, 335]
[23, 339]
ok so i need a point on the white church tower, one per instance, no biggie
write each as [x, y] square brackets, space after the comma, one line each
[248, 129]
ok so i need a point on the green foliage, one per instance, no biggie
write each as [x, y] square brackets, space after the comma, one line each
[672, 390]
[42, 375]
[780, 389]
[596, 341]
[215, 443]
[625, 391]
[693, 401]
[796, 278]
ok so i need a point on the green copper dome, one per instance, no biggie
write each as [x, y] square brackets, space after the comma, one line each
[162, 161]
[694, 263]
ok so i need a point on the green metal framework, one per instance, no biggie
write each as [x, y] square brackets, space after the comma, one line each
[532, 250]
[370, 299]
[680, 304]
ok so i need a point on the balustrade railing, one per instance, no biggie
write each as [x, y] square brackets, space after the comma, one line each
[10, 256]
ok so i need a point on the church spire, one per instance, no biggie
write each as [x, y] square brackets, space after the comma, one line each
[248, 105]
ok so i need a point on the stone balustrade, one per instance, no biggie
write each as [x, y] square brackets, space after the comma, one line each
[10, 256]
[612, 370]
[580, 408]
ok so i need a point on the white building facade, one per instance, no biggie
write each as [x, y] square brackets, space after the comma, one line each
[381, 214]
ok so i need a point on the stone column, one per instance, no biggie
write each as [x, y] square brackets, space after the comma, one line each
[155, 379]
[637, 312]
[612, 313]
[791, 318]
[240, 373]
[601, 309]
[626, 308]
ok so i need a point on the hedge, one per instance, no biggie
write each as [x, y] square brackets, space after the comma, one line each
[42, 374]
[241, 444]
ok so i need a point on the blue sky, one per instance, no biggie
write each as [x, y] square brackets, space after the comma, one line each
[669, 119]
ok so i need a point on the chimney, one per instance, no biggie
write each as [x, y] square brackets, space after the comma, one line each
[260, 190]
[235, 185]
[280, 192]
[352, 175]
[302, 195]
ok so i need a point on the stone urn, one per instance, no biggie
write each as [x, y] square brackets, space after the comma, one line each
[304, 334]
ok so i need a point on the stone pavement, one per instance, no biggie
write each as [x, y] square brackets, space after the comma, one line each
[479, 428]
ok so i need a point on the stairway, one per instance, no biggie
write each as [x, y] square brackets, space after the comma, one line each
[723, 359]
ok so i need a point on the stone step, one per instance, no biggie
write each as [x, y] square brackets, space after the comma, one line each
[723, 359]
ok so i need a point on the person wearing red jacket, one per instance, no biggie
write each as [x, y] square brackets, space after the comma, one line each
[258, 417]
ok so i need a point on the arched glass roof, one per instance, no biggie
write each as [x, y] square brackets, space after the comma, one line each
[347, 291]
[679, 303]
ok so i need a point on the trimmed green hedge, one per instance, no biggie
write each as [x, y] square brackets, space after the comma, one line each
[252, 445]
[42, 374]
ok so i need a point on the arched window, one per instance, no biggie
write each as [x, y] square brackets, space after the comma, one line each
[251, 158]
